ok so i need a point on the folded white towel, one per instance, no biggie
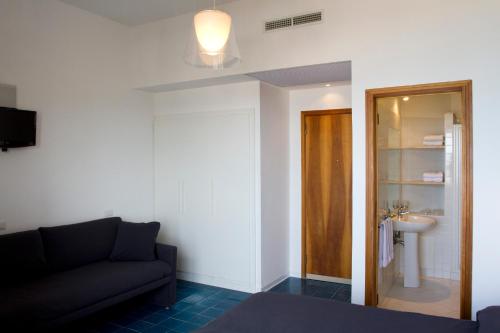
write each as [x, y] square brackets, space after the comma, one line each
[433, 143]
[439, 137]
[433, 174]
[437, 176]
[434, 140]
[432, 180]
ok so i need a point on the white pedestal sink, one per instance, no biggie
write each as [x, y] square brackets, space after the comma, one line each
[412, 225]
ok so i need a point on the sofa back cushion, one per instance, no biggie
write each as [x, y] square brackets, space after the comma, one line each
[22, 256]
[75, 245]
[135, 242]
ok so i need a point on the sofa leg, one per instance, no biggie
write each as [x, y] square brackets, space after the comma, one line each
[164, 296]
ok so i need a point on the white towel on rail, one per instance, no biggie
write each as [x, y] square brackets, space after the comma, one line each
[385, 243]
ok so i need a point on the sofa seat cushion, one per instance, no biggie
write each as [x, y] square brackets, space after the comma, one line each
[62, 293]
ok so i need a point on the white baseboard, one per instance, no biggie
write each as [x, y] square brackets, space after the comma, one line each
[221, 282]
[275, 282]
[328, 279]
[215, 281]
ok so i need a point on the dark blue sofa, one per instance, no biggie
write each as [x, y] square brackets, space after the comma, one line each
[282, 313]
[52, 276]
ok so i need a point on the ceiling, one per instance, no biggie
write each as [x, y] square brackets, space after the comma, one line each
[306, 75]
[136, 12]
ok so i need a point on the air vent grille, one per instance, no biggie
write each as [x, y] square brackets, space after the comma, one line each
[291, 21]
[279, 24]
[307, 18]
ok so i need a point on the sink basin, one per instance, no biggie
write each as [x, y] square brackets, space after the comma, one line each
[413, 223]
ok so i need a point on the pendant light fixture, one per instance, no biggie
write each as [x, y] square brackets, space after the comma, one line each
[212, 42]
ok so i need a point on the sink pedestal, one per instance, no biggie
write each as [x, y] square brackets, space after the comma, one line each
[412, 225]
[411, 270]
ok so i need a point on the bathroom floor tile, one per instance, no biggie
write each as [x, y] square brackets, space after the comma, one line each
[438, 297]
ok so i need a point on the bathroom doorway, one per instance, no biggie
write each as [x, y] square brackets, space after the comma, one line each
[419, 198]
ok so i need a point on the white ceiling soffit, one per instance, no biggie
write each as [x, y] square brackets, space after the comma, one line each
[306, 75]
[136, 12]
[298, 77]
[221, 80]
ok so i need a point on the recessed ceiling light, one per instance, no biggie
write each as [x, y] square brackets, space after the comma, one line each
[328, 85]
[406, 98]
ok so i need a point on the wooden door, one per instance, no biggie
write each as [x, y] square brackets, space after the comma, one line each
[327, 193]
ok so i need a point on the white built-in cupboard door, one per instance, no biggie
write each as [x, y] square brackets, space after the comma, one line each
[205, 187]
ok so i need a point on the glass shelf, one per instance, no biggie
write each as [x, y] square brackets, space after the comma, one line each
[413, 148]
[410, 182]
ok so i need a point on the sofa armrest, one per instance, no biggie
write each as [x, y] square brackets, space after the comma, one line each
[168, 254]
[489, 319]
[166, 295]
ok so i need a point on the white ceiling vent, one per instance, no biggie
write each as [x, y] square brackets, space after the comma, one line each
[288, 22]
[307, 18]
[278, 24]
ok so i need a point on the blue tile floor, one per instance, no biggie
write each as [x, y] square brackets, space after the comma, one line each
[336, 291]
[197, 305]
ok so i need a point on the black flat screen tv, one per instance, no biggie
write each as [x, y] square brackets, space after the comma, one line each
[17, 128]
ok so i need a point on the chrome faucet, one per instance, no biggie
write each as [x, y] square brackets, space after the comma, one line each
[403, 208]
[400, 208]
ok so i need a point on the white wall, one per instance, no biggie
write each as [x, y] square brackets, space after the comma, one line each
[206, 182]
[389, 42]
[8, 96]
[335, 97]
[94, 151]
[274, 110]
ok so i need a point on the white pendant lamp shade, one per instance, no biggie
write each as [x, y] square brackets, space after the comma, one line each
[212, 29]
[212, 43]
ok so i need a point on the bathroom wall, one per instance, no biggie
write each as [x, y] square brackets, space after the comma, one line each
[389, 160]
[421, 116]
[438, 247]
